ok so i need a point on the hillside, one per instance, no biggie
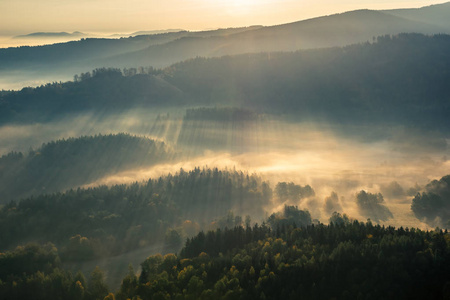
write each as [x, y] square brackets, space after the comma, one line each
[396, 80]
[64, 164]
[87, 51]
[330, 31]
[122, 218]
[434, 14]
[161, 50]
[343, 260]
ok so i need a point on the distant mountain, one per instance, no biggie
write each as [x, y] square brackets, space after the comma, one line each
[50, 35]
[148, 32]
[330, 31]
[163, 49]
[87, 52]
[438, 14]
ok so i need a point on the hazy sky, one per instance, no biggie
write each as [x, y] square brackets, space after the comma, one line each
[26, 16]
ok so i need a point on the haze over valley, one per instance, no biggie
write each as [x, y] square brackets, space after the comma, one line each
[256, 161]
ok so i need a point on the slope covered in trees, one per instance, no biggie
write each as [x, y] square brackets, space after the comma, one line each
[344, 260]
[397, 80]
[35, 272]
[64, 164]
[369, 83]
[103, 91]
[348, 261]
[105, 221]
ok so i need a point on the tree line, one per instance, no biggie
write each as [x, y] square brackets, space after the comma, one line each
[346, 259]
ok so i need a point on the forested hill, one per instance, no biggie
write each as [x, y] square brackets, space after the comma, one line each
[121, 218]
[65, 164]
[350, 260]
[343, 260]
[102, 90]
[399, 80]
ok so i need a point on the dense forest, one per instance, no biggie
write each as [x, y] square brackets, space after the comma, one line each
[289, 255]
[170, 171]
[346, 259]
[105, 221]
[302, 85]
[67, 163]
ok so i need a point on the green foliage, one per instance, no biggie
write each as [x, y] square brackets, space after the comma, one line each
[34, 272]
[339, 220]
[97, 289]
[102, 221]
[290, 216]
[344, 260]
[128, 286]
[28, 259]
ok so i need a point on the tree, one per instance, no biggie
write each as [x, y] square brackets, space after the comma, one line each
[128, 286]
[371, 206]
[97, 288]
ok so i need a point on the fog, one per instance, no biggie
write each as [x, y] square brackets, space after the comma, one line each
[395, 161]
[336, 161]
[396, 164]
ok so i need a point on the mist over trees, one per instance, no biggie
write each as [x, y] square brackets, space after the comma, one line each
[104, 221]
[372, 206]
[164, 49]
[432, 204]
[290, 216]
[393, 190]
[332, 204]
[217, 232]
[396, 80]
[63, 164]
[292, 192]
[217, 128]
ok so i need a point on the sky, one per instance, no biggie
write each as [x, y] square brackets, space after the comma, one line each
[119, 16]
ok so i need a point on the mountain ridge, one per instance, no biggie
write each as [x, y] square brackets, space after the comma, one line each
[163, 49]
